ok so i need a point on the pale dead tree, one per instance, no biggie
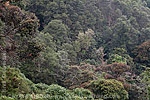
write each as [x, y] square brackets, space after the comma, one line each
[85, 38]
[100, 54]
[2, 50]
[3, 55]
[63, 58]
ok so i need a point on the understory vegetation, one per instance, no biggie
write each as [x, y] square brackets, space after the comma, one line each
[74, 49]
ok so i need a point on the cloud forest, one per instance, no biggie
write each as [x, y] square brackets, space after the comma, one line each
[74, 49]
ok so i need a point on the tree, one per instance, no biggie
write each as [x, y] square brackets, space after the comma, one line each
[116, 58]
[146, 79]
[108, 89]
[16, 82]
[100, 54]
[83, 43]
[72, 54]
[58, 30]
[141, 53]
[121, 55]
[74, 76]
[18, 33]
[46, 65]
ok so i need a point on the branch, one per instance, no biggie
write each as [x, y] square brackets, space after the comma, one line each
[2, 36]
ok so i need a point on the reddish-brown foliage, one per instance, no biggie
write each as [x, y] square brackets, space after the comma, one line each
[17, 25]
[116, 68]
[127, 86]
[117, 71]
[142, 53]
[121, 79]
[77, 75]
[108, 76]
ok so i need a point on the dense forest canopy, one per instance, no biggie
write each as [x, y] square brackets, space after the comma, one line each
[75, 49]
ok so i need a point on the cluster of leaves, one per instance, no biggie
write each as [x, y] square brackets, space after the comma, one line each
[13, 82]
[17, 84]
[73, 13]
[39, 74]
[116, 24]
[77, 75]
[29, 51]
[19, 29]
[108, 89]
[141, 53]
[123, 73]
[76, 31]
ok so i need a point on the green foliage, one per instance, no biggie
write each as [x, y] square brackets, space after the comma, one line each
[19, 3]
[116, 24]
[90, 61]
[39, 88]
[19, 31]
[58, 93]
[47, 60]
[71, 33]
[2, 44]
[83, 43]
[116, 58]
[38, 74]
[15, 81]
[29, 51]
[146, 75]
[148, 92]
[124, 54]
[50, 57]
[18, 84]
[49, 54]
[28, 27]
[72, 13]
[77, 75]
[148, 3]
[1, 26]
[108, 89]
[83, 93]
[146, 79]
[72, 54]
[58, 30]
[6, 98]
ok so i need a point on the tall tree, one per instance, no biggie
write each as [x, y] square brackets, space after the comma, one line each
[18, 34]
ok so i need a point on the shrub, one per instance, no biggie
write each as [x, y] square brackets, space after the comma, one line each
[108, 89]
[85, 93]
[56, 92]
[76, 75]
[6, 98]
[15, 81]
